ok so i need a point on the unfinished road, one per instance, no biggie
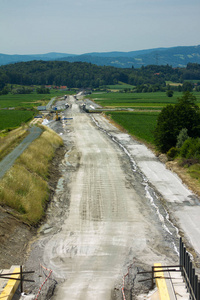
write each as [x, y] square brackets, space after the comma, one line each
[107, 214]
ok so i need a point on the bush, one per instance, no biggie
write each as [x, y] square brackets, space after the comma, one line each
[169, 93]
[191, 149]
[173, 152]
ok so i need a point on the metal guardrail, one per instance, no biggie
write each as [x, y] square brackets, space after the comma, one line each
[188, 272]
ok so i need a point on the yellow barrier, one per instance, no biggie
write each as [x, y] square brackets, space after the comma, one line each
[161, 283]
[11, 286]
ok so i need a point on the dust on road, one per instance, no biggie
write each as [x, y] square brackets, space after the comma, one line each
[104, 216]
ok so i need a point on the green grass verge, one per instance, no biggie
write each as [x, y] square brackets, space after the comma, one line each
[139, 124]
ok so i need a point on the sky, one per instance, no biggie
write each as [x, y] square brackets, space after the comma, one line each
[83, 26]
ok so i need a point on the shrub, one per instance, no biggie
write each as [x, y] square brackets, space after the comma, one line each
[191, 149]
[169, 93]
[173, 152]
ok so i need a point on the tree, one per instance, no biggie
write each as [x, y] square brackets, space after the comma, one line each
[164, 134]
[169, 93]
[172, 119]
[187, 86]
[182, 137]
[42, 90]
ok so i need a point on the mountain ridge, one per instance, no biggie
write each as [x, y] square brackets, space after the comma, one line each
[178, 56]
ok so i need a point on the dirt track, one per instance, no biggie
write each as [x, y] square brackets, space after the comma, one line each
[105, 215]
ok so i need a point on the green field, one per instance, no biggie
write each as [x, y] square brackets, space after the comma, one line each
[142, 121]
[137, 100]
[139, 124]
[120, 86]
[28, 100]
[10, 119]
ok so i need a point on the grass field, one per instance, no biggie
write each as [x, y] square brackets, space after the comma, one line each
[120, 86]
[10, 119]
[137, 100]
[139, 124]
[14, 118]
[142, 121]
[28, 100]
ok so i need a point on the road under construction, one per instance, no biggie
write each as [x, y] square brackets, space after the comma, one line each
[115, 206]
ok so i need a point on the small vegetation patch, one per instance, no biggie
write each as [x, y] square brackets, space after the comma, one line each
[24, 188]
[194, 171]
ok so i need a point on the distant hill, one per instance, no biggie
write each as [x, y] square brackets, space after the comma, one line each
[175, 57]
[8, 59]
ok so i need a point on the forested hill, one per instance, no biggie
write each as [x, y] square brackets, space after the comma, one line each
[174, 56]
[84, 75]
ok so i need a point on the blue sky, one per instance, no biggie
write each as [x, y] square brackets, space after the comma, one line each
[82, 26]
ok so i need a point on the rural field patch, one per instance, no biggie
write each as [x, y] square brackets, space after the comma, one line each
[14, 118]
[139, 124]
[137, 100]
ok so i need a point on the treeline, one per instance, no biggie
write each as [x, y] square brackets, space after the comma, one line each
[87, 75]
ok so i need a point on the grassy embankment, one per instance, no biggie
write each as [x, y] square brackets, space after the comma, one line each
[24, 188]
[11, 140]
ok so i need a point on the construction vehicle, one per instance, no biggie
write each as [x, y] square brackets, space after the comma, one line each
[57, 116]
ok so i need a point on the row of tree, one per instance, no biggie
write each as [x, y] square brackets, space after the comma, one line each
[177, 124]
[84, 75]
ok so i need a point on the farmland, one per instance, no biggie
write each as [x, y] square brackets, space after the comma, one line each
[145, 101]
[139, 124]
[141, 121]
[27, 100]
[23, 107]
[14, 118]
